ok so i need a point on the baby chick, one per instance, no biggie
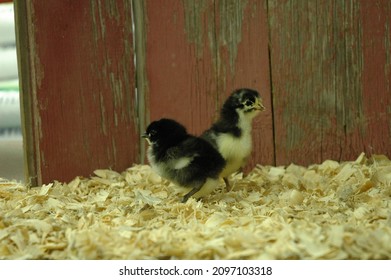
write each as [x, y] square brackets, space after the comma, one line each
[184, 159]
[231, 134]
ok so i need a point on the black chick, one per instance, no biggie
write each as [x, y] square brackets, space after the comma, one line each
[184, 159]
[231, 134]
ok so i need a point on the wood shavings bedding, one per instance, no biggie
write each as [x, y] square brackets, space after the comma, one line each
[327, 211]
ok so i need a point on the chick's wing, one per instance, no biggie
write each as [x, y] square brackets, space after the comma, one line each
[181, 156]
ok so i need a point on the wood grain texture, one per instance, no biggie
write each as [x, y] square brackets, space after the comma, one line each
[376, 78]
[197, 53]
[181, 77]
[24, 50]
[321, 67]
[79, 104]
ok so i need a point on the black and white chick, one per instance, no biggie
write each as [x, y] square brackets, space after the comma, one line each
[231, 133]
[183, 159]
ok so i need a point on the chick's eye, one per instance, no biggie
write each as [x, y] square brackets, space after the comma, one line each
[152, 132]
[248, 103]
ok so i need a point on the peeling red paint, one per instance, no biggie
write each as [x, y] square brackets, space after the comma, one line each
[82, 62]
[327, 61]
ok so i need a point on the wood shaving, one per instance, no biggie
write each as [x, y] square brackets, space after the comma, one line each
[325, 211]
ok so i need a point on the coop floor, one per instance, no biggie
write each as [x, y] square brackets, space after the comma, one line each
[327, 211]
[11, 158]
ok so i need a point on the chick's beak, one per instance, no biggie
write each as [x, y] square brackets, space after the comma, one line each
[146, 137]
[260, 106]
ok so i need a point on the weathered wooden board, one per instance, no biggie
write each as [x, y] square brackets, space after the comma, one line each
[330, 76]
[376, 77]
[197, 53]
[77, 77]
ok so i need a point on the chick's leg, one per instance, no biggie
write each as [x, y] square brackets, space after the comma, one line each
[205, 189]
[209, 186]
[227, 185]
[196, 187]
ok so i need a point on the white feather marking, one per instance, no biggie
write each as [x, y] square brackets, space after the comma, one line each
[236, 150]
[162, 168]
[181, 162]
[152, 161]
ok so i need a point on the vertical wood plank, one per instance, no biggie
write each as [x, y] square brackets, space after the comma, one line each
[197, 53]
[77, 76]
[140, 26]
[22, 15]
[320, 68]
[376, 78]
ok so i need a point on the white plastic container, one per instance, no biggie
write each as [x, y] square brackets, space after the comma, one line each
[9, 109]
[8, 64]
[7, 24]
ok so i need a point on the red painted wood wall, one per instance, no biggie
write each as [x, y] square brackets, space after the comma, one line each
[322, 68]
[77, 87]
[330, 63]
